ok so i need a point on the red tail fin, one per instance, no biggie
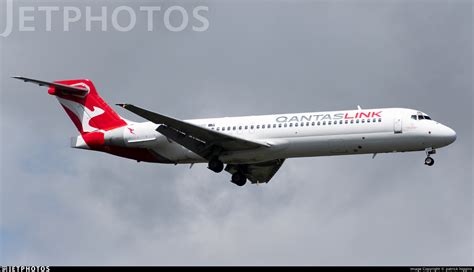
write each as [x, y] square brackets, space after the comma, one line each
[88, 111]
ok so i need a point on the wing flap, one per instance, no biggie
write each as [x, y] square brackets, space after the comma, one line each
[259, 172]
[190, 143]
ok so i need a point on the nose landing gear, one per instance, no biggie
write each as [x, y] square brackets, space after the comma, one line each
[429, 160]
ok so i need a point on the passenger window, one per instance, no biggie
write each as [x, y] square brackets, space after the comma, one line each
[296, 124]
[329, 123]
[218, 129]
[279, 125]
[246, 127]
[240, 128]
[291, 124]
[234, 128]
[375, 120]
[252, 127]
[340, 122]
[286, 125]
[368, 120]
[357, 121]
[380, 120]
[263, 126]
[313, 124]
[274, 125]
[324, 123]
[363, 121]
[346, 122]
[319, 123]
[258, 126]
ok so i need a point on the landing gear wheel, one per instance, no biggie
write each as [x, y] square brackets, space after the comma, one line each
[429, 161]
[239, 179]
[216, 166]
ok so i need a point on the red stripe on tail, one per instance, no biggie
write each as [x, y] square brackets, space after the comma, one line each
[88, 112]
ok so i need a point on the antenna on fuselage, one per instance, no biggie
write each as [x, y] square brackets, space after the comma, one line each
[359, 108]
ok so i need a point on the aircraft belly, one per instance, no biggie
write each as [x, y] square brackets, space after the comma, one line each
[308, 146]
[175, 152]
[352, 144]
[277, 150]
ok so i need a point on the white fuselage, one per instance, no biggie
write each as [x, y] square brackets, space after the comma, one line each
[250, 148]
[300, 135]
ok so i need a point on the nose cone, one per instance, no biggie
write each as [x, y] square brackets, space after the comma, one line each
[441, 135]
[449, 135]
[444, 135]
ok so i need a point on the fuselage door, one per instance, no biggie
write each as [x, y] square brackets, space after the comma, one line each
[397, 125]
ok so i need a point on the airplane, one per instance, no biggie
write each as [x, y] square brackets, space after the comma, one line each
[250, 148]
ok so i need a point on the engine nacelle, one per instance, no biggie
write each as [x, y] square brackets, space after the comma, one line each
[115, 137]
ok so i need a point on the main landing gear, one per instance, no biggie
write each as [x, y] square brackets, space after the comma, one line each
[216, 165]
[429, 160]
[239, 179]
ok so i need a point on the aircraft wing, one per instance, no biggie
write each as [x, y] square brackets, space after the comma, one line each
[203, 141]
[259, 172]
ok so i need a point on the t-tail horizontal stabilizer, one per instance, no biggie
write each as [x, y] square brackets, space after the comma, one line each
[57, 86]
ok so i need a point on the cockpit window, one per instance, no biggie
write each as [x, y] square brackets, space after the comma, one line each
[420, 116]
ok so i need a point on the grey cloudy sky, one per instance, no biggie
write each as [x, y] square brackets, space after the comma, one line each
[64, 206]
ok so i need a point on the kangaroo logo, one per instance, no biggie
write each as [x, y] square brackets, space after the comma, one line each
[82, 113]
